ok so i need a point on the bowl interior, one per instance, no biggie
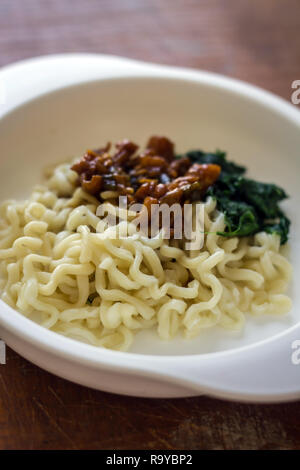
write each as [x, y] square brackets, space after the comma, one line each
[61, 125]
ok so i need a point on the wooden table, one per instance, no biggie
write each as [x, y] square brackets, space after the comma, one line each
[255, 40]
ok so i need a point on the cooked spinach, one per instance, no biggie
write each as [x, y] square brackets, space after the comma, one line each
[248, 205]
[281, 227]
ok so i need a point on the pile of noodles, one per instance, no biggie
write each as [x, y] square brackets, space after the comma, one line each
[62, 268]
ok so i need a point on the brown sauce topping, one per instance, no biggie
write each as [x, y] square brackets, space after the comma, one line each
[153, 176]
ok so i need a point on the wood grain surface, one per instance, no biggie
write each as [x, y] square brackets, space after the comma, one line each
[257, 41]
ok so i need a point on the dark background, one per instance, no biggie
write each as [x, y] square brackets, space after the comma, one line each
[253, 40]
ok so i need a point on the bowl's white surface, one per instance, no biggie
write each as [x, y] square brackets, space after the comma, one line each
[196, 110]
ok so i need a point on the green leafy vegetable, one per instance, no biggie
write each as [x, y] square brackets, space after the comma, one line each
[281, 227]
[262, 195]
[248, 205]
[241, 219]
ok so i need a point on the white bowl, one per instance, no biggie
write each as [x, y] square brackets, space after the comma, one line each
[54, 108]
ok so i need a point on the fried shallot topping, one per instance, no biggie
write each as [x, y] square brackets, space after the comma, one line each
[153, 176]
